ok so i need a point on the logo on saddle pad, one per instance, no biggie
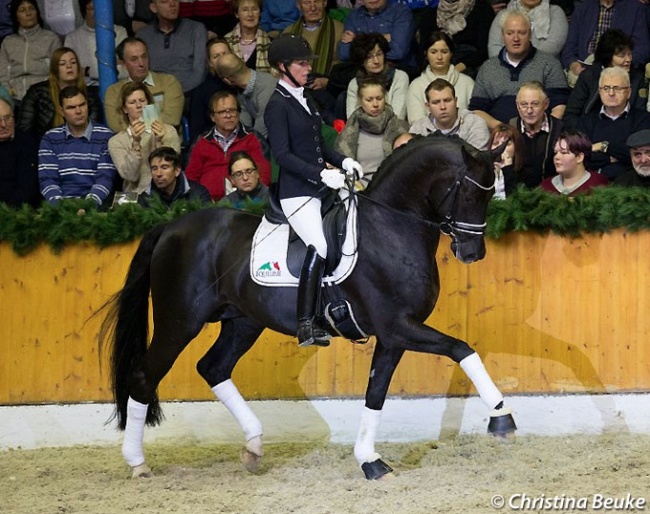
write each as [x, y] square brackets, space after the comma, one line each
[269, 269]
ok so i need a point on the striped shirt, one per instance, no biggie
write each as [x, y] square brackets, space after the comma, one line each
[76, 167]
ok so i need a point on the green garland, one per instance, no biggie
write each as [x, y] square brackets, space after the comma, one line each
[76, 221]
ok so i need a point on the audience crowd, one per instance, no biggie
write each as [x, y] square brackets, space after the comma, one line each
[559, 86]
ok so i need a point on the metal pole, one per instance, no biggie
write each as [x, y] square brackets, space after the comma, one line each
[105, 35]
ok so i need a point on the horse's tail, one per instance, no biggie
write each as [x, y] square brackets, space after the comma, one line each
[125, 330]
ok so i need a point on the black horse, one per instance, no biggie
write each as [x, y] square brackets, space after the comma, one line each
[197, 269]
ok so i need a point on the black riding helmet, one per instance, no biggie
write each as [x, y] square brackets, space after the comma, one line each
[287, 48]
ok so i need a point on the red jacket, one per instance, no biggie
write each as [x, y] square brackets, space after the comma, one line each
[209, 163]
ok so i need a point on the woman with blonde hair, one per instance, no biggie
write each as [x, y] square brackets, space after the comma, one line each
[39, 110]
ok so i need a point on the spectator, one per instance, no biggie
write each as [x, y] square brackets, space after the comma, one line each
[539, 131]
[613, 49]
[245, 178]
[209, 158]
[19, 158]
[200, 104]
[508, 167]
[610, 127]
[445, 116]
[247, 39]
[549, 26]
[167, 92]
[394, 21]
[592, 18]
[572, 151]
[83, 41]
[439, 54]
[39, 111]
[467, 24]
[254, 88]
[73, 159]
[130, 148]
[371, 130]
[168, 182]
[216, 15]
[638, 175]
[519, 61]
[25, 54]
[369, 52]
[277, 15]
[176, 45]
[60, 16]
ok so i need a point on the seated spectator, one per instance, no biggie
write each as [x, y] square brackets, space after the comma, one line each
[40, 111]
[499, 78]
[549, 26]
[508, 167]
[210, 155]
[167, 92]
[592, 18]
[19, 158]
[245, 178]
[247, 40]
[25, 54]
[439, 54]
[369, 52]
[393, 20]
[168, 182]
[83, 41]
[216, 15]
[445, 117]
[176, 45]
[130, 148]
[467, 24]
[638, 175]
[572, 150]
[200, 120]
[610, 127]
[371, 130]
[60, 16]
[613, 49]
[254, 88]
[539, 131]
[277, 15]
[73, 159]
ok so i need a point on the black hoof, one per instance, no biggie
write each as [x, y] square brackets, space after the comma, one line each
[502, 425]
[376, 469]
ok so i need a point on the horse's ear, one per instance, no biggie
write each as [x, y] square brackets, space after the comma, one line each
[495, 153]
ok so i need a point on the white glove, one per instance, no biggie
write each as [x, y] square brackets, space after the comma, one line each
[332, 178]
[352, 167]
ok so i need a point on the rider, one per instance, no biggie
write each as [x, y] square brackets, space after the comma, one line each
[294, 127]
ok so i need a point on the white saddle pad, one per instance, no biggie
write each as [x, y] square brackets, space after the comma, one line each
[269, 252]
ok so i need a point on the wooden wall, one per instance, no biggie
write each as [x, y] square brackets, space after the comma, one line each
[547, 314]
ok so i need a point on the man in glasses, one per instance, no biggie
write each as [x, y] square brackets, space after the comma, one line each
[539, 129]
[210, 155]
[610, 127]
[245, 178]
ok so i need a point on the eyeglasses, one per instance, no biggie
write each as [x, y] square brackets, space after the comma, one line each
[372, 57]
[227, 112]
[6, 119]
[240, 174]
[532, 105]
[615, 89]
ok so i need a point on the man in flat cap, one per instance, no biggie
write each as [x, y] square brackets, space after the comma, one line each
[639, 174]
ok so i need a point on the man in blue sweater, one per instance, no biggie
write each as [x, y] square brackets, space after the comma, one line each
[73, 159]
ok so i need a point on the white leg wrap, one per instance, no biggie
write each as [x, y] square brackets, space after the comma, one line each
[136, 414]
[364, 448]
[473, 367]
[227, 393]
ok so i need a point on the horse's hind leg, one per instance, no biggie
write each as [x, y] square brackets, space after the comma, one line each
[237, 337]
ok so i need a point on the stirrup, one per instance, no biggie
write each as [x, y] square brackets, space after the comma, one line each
[311, 333]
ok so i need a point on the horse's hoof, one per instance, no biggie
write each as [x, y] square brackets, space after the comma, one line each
[142, 471]
[502, 425]
[376, 470]
[250, 460]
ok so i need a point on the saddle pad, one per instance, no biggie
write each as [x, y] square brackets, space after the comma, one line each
[269, 253]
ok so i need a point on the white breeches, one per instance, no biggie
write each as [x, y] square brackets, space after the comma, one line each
[303, 213]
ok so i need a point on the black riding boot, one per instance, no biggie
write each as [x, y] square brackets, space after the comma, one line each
[311, 275]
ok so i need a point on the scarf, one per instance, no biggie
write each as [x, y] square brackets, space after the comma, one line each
[451, 15]
[540, 17]
[386, 124]
[324, 44]
[385, 77]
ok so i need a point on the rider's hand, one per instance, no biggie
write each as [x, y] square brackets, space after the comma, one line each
[352, 168]
[332, 178]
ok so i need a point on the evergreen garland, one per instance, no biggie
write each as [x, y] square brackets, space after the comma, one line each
[76, 221]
